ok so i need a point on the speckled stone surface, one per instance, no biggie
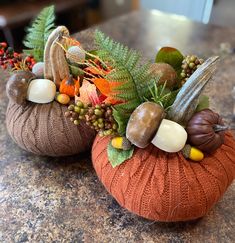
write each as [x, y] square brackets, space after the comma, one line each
[61, 200]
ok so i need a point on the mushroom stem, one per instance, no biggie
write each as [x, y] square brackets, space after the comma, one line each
[220, 128]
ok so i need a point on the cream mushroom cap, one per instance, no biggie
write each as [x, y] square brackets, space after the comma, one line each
[41, 91]
[171, 137]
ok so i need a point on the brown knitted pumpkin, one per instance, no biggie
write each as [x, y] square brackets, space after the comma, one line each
[166, 187]
[44, 130]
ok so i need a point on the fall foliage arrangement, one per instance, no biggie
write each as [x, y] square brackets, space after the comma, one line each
[157, 141]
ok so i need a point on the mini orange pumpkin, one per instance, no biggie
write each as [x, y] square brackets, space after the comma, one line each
[70, 86]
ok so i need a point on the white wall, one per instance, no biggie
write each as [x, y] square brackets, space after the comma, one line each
[198, 10]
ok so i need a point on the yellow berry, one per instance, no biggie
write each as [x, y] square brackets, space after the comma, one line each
[63, 99]
[117, 142]
[121, 143]
[196, 154]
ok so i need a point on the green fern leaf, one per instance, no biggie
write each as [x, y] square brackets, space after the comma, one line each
[127, 69]
[134, 78]
[39, 32]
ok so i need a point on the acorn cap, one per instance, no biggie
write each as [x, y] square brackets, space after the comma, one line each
[186, 151]
[126, 144]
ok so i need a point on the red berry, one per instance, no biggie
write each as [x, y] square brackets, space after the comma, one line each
[3, 44]
[28, 59]
[15, 54]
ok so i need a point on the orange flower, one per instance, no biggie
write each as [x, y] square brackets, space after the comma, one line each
[106, 88]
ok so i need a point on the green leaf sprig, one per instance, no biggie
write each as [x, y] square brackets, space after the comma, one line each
[39, 32]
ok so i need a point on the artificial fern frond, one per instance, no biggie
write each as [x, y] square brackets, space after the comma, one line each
[39, 32]
[133, 77]
[127, 68]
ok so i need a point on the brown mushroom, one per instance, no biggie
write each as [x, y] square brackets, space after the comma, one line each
[17, 86]
[167, 72]
[143, 123]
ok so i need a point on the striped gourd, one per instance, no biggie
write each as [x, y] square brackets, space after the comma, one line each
[187, 99]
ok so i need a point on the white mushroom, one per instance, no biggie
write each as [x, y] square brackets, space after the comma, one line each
[41, 91]
[170, 137]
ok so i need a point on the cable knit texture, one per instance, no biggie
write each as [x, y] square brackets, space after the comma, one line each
[166, 187]
[44, 130]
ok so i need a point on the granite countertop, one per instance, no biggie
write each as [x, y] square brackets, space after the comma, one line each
[61, 200]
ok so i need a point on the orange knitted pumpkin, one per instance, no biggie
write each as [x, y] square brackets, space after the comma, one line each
[166, 187]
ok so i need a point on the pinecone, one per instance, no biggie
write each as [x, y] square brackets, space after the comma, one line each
[189, 66]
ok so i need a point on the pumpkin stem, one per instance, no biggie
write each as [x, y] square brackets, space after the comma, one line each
[70, 80]
[220, 128]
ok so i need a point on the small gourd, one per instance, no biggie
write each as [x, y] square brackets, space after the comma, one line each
[206, 130]
[56, 67]
[186, 101]
[69, 86]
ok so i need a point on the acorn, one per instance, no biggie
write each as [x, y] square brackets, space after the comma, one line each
[121, 143]
[192, 153]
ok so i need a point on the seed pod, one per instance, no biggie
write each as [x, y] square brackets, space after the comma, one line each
[75, 54]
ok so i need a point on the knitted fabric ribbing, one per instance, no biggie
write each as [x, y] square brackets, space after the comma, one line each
[166, 187]
[44, 130]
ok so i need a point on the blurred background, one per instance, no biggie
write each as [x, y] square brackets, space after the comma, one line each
[15, 15]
